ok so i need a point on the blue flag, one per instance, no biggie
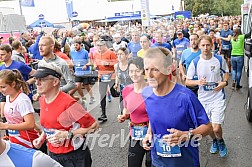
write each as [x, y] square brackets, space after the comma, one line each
[27, 3]
[69, 8]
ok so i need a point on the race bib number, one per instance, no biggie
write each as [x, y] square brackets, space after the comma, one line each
[13, 133]
[210, 86]
[106, 78]
[139, 132]
[179, 53]
[164, 150]
[225, 47]
[49, 132]
[195, 77]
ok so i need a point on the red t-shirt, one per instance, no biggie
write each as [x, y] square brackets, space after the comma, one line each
[64, 113]
[62, 55]
[134, 103]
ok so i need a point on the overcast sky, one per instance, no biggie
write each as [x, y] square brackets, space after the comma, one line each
[55, 10]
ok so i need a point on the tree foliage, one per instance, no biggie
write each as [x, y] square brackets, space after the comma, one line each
[214, 7]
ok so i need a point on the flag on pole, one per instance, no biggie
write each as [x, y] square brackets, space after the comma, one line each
[69, 8]
[27, 3]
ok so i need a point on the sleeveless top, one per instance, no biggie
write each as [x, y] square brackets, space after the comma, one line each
[123, 76]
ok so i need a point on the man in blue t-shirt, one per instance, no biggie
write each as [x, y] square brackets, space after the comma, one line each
[180, 44]
[159, 41]
[134, 46]
[225, 36]
[186, 58]
[5, 56]
[82, 69]
[172, 130]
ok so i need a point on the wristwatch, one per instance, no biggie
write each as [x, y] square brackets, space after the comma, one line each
[69, 135]
[226, 83]
[190, 134]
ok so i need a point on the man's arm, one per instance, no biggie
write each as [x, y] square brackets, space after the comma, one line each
[68, 79]
[148, 138]
[31, 80]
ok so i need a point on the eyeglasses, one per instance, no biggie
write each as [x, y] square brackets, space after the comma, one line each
[100, 45]
[42, 79]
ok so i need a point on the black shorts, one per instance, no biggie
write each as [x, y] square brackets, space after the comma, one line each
[2, 98]
[85, 80]
[226, 53]
[194, 89]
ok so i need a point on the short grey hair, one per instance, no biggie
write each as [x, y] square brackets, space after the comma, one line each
[161, 51]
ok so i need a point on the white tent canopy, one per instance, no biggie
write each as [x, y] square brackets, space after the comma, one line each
[55, 10]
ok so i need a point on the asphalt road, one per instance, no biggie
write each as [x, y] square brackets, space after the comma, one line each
[110, 147]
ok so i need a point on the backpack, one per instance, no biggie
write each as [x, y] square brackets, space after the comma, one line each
[196, 60]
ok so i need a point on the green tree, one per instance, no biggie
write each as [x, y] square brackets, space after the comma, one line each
[217, 7]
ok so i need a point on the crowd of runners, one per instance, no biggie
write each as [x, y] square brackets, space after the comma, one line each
[169, 79]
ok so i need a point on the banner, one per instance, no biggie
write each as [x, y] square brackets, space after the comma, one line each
[69, 8]
[6, 37]
[27, 3]
[145, 13]
[16, 35]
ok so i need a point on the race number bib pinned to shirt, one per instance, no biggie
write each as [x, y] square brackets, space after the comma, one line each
[139, 132]
[106, 78]
[164, 150]
[225, 47]
[14, 133]
[49, 132]
[210, 86]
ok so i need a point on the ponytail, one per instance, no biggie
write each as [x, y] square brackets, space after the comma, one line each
[10, 76]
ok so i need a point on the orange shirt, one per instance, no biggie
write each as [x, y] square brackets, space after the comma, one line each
[105, 62]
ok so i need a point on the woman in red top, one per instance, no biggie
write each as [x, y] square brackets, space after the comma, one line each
[134, 107]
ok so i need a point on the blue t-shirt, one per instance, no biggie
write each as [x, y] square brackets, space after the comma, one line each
[187, 56]
[23, 68]
[80, 58]
[16, 155]
[79, 55]
[20, 156]
[225, 34]
[134, 48]
[181, 45]
[164, 44]
[34, 49]
[180, 109]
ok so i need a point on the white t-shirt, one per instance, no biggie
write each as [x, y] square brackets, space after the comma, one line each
[117, 46]
[14, 111]
[16, 155]
[211, 70]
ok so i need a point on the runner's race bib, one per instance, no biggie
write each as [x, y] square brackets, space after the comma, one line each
[210, 86]
[14, 133]
[225, 47]
[164, 150]
[49, 132]
[106, 78]
[139, 132]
